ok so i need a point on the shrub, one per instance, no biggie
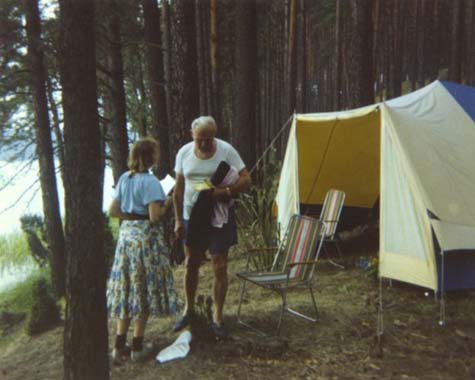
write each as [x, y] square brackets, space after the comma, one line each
[45, 312]
[33, 227]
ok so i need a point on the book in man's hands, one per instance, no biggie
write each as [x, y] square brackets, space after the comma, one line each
[168, 183]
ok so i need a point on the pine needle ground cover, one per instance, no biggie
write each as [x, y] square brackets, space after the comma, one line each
[342, 345]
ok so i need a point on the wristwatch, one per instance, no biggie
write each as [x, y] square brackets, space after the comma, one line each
[228, 191]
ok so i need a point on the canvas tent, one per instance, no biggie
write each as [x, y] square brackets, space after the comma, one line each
[417, 154]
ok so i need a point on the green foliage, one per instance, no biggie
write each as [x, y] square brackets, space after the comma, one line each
[15, 132]
[372, 270]
[109, 243]
[45, 312]
[20, 297]
[33, 227]
[14, 251]
[258, 205]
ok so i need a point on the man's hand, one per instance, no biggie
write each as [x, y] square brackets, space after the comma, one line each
[179, 229]
[221, 195]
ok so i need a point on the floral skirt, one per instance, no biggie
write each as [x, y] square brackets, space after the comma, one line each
[141, 281]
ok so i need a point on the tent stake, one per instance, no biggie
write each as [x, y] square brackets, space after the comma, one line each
[442, 292]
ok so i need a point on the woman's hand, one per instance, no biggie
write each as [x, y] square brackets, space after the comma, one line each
[179, 229]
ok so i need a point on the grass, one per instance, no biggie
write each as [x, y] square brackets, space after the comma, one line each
[20, 297]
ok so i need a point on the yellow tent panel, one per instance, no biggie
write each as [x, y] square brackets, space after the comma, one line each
[323, 164]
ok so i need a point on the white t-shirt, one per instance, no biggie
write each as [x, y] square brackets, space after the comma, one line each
[196, 170]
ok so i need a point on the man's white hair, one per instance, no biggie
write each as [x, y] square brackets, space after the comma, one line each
[202, 121]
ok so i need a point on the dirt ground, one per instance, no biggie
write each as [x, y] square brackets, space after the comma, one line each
[341, 345]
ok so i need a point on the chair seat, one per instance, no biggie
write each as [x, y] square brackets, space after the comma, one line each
[293, 265]
[264, 278]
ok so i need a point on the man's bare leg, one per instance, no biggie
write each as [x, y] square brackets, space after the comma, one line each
[220, 285]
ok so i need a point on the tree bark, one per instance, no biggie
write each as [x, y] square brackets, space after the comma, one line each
[156, 81]
[337, 90]
[56, 129]
[166, 51]
[184, 91]
[362, 83]
[421, 43]
[85, 332]
[301, 61]
[44, 147]
[246, 59]
[213, 42]
[455, 61]
[116, 133]
[471, 73]
[291, 56]
[203, 56]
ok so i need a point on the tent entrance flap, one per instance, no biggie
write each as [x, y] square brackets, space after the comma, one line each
[342, 154]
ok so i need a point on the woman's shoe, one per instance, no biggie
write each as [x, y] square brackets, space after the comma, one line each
[145, 353]
[119, 355]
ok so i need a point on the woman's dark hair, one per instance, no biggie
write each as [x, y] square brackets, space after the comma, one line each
[143, 155]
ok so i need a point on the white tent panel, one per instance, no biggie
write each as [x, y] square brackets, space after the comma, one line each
[287, 198]
[438, 138]
[405, 235]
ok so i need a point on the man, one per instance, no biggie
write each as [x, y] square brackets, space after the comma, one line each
[196, 162]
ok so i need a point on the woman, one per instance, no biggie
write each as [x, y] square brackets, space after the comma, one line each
[141, 282]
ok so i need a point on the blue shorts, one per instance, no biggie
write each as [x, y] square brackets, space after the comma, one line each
[221, 238]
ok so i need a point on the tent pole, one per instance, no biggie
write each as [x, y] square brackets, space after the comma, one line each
[271, 144]
[442, 292]
[380, 325]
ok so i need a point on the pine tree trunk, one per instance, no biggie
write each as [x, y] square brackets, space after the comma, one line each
[116, 133]
[184, 90]
[44, 146]
[399, 22]
[471, 72]
[336, 92]
[413, 43]
[166, 48]
[421, 43]
[246, 59]
[203, 56]
[213, 42]
[433, 43]
[456, 58]
[300, 88]
[85, 332]
[291, 56]
[155, 66]
[362, 84]
[56, 128]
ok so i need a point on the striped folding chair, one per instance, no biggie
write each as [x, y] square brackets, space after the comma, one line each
[330, 215]
[293, 266]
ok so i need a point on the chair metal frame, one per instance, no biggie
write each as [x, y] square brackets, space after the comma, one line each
[281, 280]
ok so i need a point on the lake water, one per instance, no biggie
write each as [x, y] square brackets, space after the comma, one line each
[20, 194]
